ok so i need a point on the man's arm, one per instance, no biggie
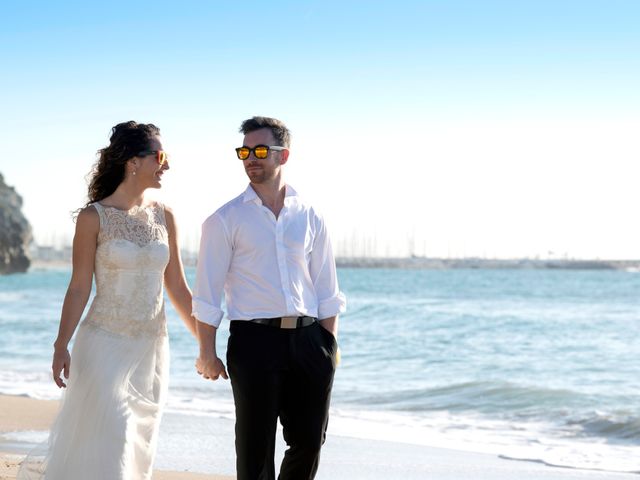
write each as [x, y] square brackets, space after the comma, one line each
[322, 269]
[214, 259]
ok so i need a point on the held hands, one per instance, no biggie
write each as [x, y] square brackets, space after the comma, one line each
[61, 362]
[210, 367]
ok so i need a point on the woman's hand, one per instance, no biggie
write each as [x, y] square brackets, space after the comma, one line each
[61, 362]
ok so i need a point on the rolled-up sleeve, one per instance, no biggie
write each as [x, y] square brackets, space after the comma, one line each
[322, 268]
[214, 259]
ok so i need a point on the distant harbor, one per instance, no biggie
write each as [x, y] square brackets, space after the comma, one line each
[426, 263]
[49, 255]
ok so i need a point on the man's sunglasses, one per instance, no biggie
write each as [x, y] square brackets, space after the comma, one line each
[259, 151]
[161, 155]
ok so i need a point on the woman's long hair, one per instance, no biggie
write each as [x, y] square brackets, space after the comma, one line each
[127, 140]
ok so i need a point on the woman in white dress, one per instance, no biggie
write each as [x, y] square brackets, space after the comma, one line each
[108, 423]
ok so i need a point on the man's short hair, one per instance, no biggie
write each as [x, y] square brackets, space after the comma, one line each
[279, 130]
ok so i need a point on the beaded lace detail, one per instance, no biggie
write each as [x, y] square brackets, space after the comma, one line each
[140, 225]
[132, 254]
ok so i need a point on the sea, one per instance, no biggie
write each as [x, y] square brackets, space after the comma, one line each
[537, 365]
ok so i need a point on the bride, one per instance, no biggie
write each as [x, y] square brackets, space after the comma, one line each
[116, 377]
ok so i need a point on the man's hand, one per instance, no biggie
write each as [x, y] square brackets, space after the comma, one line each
[331, 325]
[210, 367]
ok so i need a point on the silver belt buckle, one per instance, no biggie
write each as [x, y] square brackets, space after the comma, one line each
[288, 322]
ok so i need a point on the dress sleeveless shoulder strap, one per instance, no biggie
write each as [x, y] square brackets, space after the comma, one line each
[159, 207]
[100, 209]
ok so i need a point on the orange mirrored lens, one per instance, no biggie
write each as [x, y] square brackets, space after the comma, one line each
[243, 153]
[162, 157]
[261, 152]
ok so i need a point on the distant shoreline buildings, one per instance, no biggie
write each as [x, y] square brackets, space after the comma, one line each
[43, 255]
[425, 263]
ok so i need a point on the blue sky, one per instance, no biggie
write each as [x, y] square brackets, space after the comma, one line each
[476, 128]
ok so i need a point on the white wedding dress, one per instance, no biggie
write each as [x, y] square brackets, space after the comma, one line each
[107, 427]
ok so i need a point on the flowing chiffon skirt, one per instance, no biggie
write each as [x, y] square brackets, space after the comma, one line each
[107, 427]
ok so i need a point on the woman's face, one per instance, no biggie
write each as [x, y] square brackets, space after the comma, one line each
[150, 165]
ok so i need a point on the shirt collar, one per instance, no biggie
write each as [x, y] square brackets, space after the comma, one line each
[250, 195]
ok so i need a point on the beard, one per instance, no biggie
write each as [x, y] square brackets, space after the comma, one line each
[259, 174]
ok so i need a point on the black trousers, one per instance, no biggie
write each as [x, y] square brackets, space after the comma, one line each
[285, 373]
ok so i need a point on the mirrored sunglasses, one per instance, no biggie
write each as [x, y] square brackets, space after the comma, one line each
[161, 155]
[259, 151]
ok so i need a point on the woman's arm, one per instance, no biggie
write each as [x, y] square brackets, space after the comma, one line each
[174, 279]
[84, 253]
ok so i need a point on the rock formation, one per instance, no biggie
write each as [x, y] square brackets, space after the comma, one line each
[15, 232]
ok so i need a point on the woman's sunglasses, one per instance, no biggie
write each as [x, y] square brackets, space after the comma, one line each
[259, 151]
[161, 155]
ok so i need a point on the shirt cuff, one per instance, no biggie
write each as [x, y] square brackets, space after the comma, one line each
[206, 313]
[331, 307]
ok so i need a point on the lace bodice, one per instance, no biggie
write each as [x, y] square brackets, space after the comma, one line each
[131, 256]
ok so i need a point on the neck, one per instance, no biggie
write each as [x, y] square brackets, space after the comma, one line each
[127, 195]
[272, 194]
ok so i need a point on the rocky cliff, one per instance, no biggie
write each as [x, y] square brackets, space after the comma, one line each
[15, 232]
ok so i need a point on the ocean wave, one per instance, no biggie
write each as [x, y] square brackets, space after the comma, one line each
[483, 396]
[616, 427]
[568, 413]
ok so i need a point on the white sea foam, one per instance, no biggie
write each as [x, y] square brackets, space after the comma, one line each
[33, 384]
[15, 296]
[532, 441]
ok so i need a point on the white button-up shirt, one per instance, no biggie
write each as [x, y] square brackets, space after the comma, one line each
[267, 267]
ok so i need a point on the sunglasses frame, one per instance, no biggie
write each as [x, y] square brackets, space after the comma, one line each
[161, 156]
[275, 148]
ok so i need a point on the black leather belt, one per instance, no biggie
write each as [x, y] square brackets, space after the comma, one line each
[286, 322]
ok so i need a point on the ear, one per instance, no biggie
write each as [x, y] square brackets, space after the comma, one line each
[284, 156]
[132, 164]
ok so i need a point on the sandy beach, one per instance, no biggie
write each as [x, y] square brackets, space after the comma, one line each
[343, 457]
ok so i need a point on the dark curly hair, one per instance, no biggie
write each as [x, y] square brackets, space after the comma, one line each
[127, 140]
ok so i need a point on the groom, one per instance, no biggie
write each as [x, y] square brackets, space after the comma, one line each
[269, 252]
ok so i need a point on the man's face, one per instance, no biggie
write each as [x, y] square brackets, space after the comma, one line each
[261, 170]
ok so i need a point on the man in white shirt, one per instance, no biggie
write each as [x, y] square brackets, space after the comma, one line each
[269, 252]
